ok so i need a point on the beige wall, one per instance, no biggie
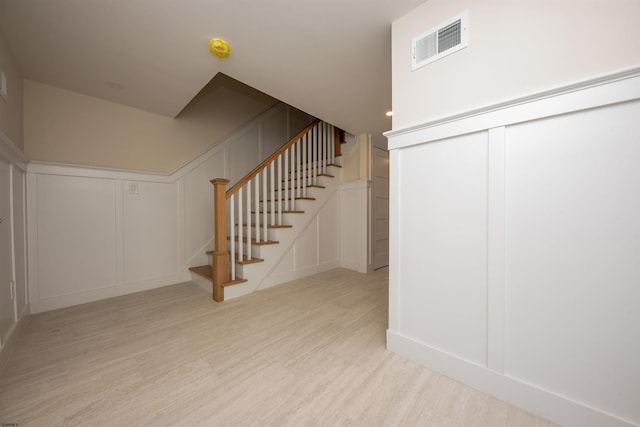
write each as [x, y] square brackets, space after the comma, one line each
[516, 48]
[11, 109]
[67, 127]
[356, 160]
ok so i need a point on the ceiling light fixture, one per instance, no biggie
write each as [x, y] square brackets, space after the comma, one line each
[389, 113]
[219, 48]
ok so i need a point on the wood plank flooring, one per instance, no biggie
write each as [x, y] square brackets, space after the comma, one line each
[309, 353]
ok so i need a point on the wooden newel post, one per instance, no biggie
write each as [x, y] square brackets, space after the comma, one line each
[221, 260]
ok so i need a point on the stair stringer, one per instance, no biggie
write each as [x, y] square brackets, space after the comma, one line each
[255, 274]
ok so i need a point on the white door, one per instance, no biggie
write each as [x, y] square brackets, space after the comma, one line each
[380, 232]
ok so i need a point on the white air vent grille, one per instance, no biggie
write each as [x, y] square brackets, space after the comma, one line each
[442, 40]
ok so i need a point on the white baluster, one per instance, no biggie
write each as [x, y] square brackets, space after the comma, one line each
[265, 218]
[304, 165]
[272, 184]
[287, 181]
[321, 149]
[232, 234]
[240, 228]
[326, 148]
[314, 163]
[280, 190]
[256, 205]
[332, 144]
[249, 219]
[295, 173]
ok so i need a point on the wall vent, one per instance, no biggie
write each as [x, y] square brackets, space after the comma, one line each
[446, 38]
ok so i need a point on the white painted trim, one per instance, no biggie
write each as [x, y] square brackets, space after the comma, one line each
[12, 234]
[7, 347]
[114, 290]
[556, 408]
[32, 236]
[395, 250]
[605, 90]
[496, 284]
[182, 234]
[119, 254]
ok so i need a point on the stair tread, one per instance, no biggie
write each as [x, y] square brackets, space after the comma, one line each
[234, 282]
[203, 270]
[306, 169]
[244, 261]
[270, 226]
[287, 212]
[253, 241]
[283, 199]
[308, 186]
[206, 271]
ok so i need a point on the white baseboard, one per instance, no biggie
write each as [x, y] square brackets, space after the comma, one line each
[62, 301]
[7, 347]
[526, 396]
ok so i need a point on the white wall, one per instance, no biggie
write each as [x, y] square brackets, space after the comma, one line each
[515, 250]
[14, 306]
[516, 48]
[93, 236]
[355, 231]
[315, 250]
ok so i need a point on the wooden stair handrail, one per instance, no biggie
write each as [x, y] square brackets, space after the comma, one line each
[221, 258]
[269, 159]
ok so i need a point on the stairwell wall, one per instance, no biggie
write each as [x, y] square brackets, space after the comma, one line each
[96, 233]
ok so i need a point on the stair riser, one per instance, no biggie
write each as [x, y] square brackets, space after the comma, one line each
[271, 233]
[285, 217]
[256, 250]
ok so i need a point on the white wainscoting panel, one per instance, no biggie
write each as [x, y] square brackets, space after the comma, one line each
[355, 199]
[306, 248]
[328, 236]
[444, 198]
[151, 235]
[199, 208]
[76, 235]
[573, 256]
[515, 251]
[314, 251]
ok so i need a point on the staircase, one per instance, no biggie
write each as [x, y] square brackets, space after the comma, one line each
[258, 219]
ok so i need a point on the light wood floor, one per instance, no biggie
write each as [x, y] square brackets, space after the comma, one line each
[309, 353]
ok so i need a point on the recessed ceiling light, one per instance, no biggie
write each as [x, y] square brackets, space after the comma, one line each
[389, 113]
